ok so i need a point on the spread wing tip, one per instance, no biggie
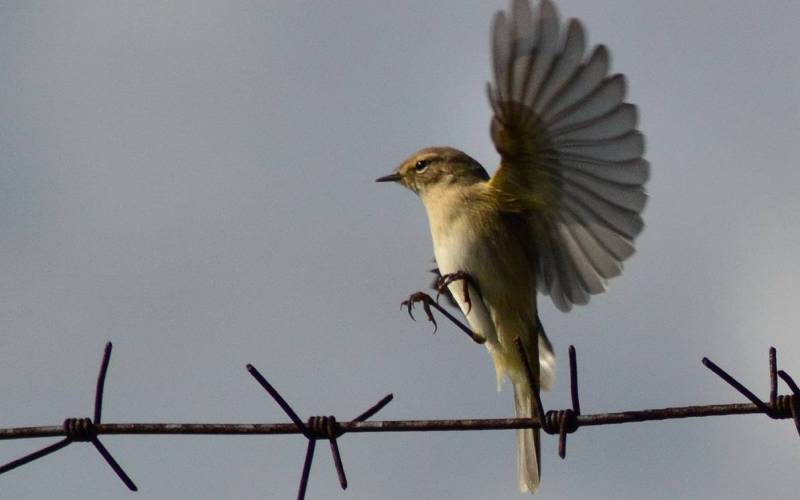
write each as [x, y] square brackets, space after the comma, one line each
[562, 125]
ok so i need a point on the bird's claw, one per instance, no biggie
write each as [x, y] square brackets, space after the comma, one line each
[426, 301]
[444, 281]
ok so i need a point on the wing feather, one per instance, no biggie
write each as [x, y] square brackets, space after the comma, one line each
[604, 98]
[523, 43]
[588, 77]
[547, 30]
[571, 282]
[565, 65]
[625, 222]
[632, 198]
[623, 148]
[618, 245]
[502, 45]
[572, 157]
[590, 279]
[634, 172]
[601, 258]
[616, 122]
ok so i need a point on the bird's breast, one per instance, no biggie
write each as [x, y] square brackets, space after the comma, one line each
[456, 246]
[456, 238]
[476, 239]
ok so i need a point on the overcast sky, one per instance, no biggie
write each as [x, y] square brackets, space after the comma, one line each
[193, 181]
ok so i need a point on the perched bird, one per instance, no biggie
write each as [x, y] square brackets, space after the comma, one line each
[560, 213]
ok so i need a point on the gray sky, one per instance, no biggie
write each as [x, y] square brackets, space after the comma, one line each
[194, 181]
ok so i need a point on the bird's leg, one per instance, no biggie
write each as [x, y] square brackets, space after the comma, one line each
[428, 302]
[445, 280]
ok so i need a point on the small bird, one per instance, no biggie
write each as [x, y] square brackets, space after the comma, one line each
[560, 214]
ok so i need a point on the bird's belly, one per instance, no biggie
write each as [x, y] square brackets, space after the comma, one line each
[497, 264]
[502, 292]
[458, 249]
[490, 258]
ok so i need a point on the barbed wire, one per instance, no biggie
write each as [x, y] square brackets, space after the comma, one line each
[557, 422]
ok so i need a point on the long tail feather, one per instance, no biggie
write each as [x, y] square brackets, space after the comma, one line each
[528, 448]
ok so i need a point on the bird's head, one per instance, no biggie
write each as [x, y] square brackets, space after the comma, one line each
[437, 167]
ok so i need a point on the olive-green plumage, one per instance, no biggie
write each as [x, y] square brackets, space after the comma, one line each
[560, 213]
[472, 233]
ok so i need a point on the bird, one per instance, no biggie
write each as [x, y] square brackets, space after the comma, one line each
[561, 212]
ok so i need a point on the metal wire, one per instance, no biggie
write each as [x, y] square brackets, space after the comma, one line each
[561, 422]
[76, 430]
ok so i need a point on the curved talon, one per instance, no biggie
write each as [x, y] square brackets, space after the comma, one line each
[446, 279]
[410, 305]
[439, 289]
[426, 301]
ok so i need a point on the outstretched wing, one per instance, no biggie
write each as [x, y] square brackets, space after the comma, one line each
[571, 155]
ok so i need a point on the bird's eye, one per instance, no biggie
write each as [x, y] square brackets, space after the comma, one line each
[421, 166]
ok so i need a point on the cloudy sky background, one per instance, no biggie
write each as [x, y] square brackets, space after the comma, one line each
[194, 181]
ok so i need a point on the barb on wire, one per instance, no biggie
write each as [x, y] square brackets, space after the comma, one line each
[560, 422]
[773, 379]
[82, 430]
[317, 428]
[764, 407]
[567, 420]
[779, 406]
[794, 400]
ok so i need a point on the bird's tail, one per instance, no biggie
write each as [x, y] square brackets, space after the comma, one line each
[527, 439]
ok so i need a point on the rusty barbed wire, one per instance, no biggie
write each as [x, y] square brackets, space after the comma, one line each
[80, 430]
[557, 422]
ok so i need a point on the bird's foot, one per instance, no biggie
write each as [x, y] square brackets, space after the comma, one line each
[444, 281]
[428, 302]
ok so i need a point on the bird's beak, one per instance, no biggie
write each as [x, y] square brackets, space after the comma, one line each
[389, 178]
